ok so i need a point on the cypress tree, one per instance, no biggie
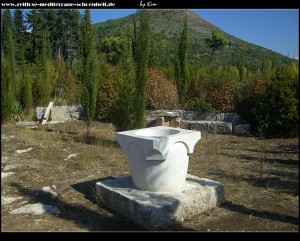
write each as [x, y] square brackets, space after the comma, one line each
[8, 70]
[181, 64]
[142, 56]
[88, 55]
[27, 89]
[20, 35]
[123, 111]
[6, 88]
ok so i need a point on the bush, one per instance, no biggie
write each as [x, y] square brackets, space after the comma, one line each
[196, 96]
[277, 98]
[222, 99]
[16, 111]
[161, 92]
[282, 103]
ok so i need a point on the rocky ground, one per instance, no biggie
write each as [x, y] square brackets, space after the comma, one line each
[48, 176]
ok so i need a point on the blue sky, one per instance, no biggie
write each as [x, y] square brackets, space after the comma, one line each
[277, 30]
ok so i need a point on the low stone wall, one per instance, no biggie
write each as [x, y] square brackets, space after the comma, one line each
[222, 123]
[61, 113]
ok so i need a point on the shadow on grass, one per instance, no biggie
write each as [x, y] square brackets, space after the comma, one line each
[279, 180]
[94, 140]
[82, 216]
[269, 160]
[281, 149]
[262, 214]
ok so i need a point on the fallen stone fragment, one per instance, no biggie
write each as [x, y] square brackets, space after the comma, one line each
[8, 200]
[36, 209]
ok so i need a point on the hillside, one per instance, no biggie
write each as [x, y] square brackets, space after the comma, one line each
[167, 24]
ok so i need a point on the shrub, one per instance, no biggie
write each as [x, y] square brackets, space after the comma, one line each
[16, 111]
[277, 98]
[222, 99]
[161, 92]
[282, 103]
[196, 96]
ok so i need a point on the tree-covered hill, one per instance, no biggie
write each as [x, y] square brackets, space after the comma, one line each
[166, 26]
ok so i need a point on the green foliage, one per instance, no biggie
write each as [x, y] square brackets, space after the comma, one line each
[216, 42]
[142, 55]
[6, 32]
[233, 74]
[65, 87]
[107, 92]
[123, 111]
[277, 98]
[88, 55]
[27, 89]
[182, 73]
[113, 48]
[161, 92]
[6, 88]
[197, 93]
[199, 104]
[44, 74]
[21, 35]
[16, 111]
[57, 101]
[282, 102]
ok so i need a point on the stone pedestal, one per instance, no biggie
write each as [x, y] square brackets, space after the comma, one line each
[155, 210]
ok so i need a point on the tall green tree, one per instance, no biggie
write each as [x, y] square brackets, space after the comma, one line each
[123, 112]
[88, 56]
[21, 35]
[182, 74]
[6, 88]
[8, 69]
[27, 89]
[6, 31]
[216, 42]
[44, 73]
[34, 22]
[142, 55]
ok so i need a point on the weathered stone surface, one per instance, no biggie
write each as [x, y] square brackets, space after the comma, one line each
[151, 121]
[208, 117]
[40, 111]
[158, 156]
[220, 117]
[36, 209]
[194, 115]
[163, 113]
[8, 200]
[184, 124]
[6, 174]
[47, 113]
[62, 113]
[75, 115]
[26, 123]
[211, 126]
[190, 115]
[17, 163]
[233, 118]
[242, 130]
[159, 121]
[57, 114]
[154, 210]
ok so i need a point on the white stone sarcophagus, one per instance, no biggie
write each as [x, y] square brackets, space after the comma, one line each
[158, 156]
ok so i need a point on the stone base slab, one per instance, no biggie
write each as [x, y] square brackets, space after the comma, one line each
[155, 210]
